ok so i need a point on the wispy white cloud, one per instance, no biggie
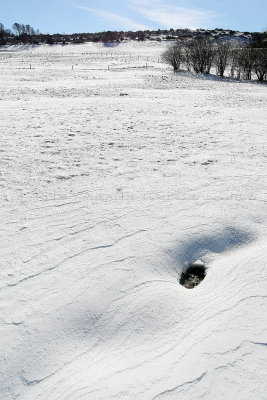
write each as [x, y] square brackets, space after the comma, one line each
[150, 3]
[115, 19]
[172, 16]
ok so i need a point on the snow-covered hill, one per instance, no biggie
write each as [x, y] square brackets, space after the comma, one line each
[114, 174]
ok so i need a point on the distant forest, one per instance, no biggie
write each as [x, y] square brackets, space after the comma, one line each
[26, 34]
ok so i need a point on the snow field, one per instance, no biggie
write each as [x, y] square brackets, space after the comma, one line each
[111, 180]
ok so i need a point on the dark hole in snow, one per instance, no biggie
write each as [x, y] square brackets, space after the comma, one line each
[193, 274]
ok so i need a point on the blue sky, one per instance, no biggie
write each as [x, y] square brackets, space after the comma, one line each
[69, 16]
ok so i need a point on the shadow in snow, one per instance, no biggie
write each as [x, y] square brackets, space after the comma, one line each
[217, 242]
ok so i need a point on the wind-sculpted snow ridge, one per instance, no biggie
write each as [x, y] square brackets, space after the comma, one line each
[112, 184]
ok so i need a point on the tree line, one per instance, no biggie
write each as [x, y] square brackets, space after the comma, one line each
[26, 34]
[20, 33]
[200, 55]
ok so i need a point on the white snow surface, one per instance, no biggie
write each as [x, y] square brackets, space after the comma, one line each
[111, 181]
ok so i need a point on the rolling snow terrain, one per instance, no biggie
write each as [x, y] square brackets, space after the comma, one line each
[115, 173]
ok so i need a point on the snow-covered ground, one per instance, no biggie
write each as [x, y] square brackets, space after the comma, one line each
[115, 172]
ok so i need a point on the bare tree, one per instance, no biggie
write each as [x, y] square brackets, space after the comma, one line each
[23, 29]
[17, 28]
[260, 65]
[28, 29]
[222, 57]
[34, 32]
[246, 61]
[186, 57]
[200, 53]
[234, 62]
[2, 34]
[173, 56]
